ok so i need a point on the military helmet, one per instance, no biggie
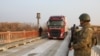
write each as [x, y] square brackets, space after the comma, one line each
[84, 17]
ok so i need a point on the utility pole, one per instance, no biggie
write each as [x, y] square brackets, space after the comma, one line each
[38, 17]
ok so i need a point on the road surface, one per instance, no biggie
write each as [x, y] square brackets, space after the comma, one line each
[43, 47]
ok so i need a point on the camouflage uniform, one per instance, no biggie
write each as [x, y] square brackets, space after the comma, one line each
[82, 45]
[83, 42]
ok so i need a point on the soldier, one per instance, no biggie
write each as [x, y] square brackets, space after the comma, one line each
[83, 42]
[40, 31]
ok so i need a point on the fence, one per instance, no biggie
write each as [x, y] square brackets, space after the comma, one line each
[8, 37]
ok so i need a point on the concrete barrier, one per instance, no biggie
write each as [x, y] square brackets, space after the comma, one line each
[63, 49]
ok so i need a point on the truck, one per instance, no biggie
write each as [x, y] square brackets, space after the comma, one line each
[57, 27]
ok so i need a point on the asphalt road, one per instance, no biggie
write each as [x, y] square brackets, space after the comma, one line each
[43, 47]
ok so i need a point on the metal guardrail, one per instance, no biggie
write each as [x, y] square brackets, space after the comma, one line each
[8, 37]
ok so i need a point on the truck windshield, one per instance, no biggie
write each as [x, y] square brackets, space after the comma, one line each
[56, 23]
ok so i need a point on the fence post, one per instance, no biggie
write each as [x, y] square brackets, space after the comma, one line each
[24, 34]
[8, 37]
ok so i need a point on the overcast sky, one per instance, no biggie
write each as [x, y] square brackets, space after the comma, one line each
[25, 10]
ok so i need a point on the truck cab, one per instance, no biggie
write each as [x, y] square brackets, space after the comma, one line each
[57, 27]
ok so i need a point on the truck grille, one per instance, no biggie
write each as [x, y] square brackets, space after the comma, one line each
[55, 33]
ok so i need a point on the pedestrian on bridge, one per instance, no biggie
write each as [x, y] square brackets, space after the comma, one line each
[40, 31]
[83, 43]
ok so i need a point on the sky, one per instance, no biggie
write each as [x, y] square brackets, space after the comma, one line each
[25, 10]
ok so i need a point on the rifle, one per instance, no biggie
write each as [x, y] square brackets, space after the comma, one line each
[71, 38]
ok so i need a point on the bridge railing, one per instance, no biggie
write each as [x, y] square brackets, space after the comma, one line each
[8, 37]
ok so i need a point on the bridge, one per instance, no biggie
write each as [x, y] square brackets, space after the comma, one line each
[27, 43]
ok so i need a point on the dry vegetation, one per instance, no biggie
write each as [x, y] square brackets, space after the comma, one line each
[5, 26]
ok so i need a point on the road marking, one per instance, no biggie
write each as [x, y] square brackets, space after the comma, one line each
[42, 48]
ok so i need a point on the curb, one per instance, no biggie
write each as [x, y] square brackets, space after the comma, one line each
[18, 43]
